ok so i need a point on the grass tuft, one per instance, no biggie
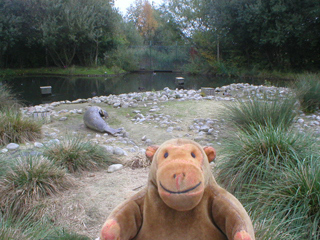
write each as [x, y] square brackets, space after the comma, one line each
[15, 128]
[293, 199]
[7, 99]
[77, 155]
[256, 154]
[256, 112]
[28, 229]
[29, 180]
[22, 228]
[308, 92]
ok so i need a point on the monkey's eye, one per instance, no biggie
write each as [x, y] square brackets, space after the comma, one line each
[193, 155]
[166, 155]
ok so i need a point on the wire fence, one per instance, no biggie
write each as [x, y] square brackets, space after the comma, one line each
[162, 58]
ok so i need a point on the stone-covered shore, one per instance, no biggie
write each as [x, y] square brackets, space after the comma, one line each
[151, 99]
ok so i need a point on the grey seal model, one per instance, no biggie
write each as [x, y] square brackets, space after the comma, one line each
[94, 118]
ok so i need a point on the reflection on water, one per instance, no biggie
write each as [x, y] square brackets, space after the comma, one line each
[72, 88]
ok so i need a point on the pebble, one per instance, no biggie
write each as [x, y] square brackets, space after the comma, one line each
[119, 151]
[38, 145]
[108, 148]
[12, 146]
[63, 119]
[114, 167]
[4, 150]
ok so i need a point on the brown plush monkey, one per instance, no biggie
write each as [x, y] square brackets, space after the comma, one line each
[181, 201]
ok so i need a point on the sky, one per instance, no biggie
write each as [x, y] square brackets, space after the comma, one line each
[124, 4]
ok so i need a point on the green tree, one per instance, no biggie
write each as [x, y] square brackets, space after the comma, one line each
[168, 31]
[59, 32]
[141, 13]
[275, 34]
[77, 29]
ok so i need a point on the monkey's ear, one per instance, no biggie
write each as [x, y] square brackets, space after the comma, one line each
[150, 151]
[210, 152]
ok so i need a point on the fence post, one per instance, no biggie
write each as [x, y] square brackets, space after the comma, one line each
[150, 55]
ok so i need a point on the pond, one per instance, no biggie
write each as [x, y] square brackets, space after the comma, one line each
[72, 88]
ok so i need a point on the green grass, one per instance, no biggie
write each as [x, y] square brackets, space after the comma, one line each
[72, 70]
[307, 89]
[27, 228]
[256, 154]
[15, 128]
[7, 99]
[77, 155]
[65, 235]
[22, 228]
[29, 180]
[278, 113]
[292, 199]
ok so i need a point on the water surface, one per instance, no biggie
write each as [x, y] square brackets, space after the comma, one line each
[72, 88]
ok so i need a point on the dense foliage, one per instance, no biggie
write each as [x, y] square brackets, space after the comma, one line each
[273, 34]
[225, 35]
[57, 32]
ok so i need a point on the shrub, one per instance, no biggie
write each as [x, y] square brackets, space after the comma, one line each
[15, 128]
[255, 112]
[30, 179]
[258, 153]
[308, 92]
[77, 155]
[293, 198]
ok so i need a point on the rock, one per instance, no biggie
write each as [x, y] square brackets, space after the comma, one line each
[144, 138]
[79, 101]
[13, 146]
[4, 150]
[38, 145]
[54, 141]
[114, 167]
[63, 119]
[117, 105]
[169, 129]
[204, 128]
[119, 151]
[109, 149]
[300, 121]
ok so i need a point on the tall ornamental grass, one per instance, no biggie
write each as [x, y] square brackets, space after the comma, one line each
[77, 155]
[307, 89]
[255, 112]
[29, 180]
[257, 154]
[8, 99]
[15, 128]
[292, 199]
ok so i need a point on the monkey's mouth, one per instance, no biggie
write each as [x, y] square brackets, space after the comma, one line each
[180, 192]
